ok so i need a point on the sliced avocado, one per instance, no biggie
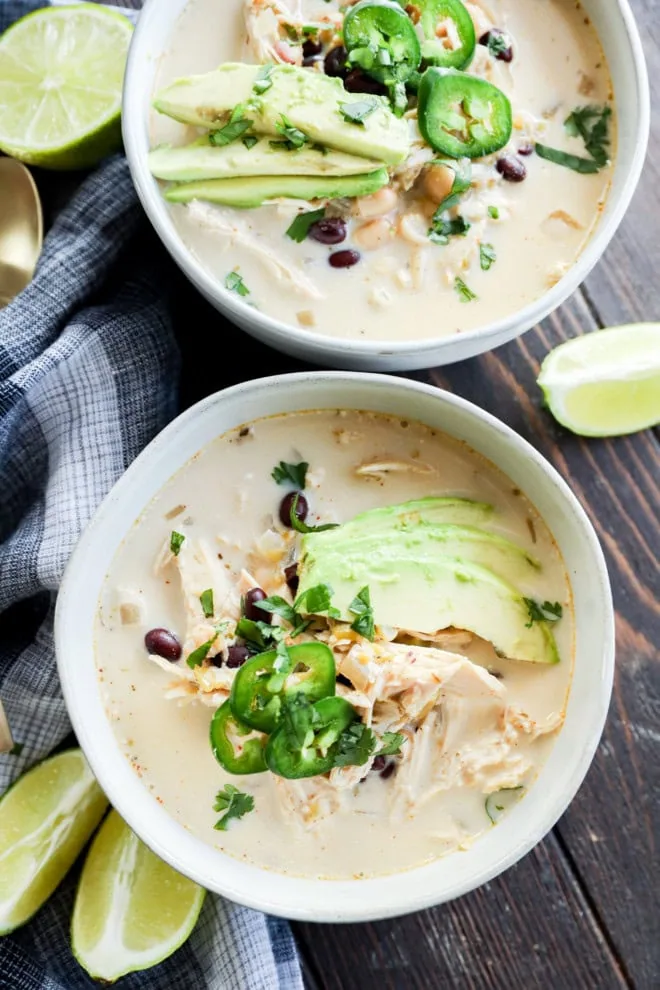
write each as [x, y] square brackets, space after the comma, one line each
[424, 543]
[254, 190]
[310, 101]
[202, 160]
[428, 595]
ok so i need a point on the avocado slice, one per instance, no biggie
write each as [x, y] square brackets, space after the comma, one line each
[308, 100]
[201, 160]
[424, 543]
[428, 595]
[252, 191]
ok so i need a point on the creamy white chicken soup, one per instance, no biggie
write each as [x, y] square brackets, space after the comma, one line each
[435, 166]
[337, 644]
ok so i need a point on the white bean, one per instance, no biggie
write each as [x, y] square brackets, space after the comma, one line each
[374, 234]
[414, 229]
[378, 204]
[438, 182]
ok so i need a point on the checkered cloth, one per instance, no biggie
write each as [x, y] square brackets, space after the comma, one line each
[88, 375]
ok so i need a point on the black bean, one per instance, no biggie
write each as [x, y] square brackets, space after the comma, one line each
[311, 48]
[342, 679]
[335, 62]
[251, 609]
[379, 764]
[358, 81]
[291, 577]
[163, 643]
[302, 508]
[328, 230]
[237, 655]
[504, 54]
[388, 771]
[344, 259]
[511, 169]
[526, 149]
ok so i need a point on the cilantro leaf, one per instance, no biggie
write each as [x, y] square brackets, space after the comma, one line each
[356, 113]
[282, 667]
[591, 123]
[284, 473]
[234, 282]
[545, 612]
[230, 132]
[493, 213]
[292, 135]
[300, 526]
[250, 141]
[487, 256]
[587, 166]
[206, 601]
[443, 228]
[391, 744]
[258, 636]
[361, 607]
[277, 605]
[300, 226]
[464, 291]
[234, 804]
[498, 43]
[317, 600]
[198, 656]
[176, 542]
[263, 82]
[355, 745]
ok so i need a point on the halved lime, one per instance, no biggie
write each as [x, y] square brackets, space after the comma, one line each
[606, 383]
[45, 820]
[61, 74]
[132, 910]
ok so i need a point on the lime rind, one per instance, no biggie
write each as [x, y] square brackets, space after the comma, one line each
[46, 818]
[132, 910]
[606, 383]
[61, 72]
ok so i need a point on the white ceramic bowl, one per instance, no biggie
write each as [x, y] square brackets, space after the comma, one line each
[614, 22]
[323, 900]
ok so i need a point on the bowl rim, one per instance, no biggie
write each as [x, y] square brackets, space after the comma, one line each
[281, 333]
[305, 898]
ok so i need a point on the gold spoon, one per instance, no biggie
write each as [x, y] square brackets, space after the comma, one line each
[21, 228]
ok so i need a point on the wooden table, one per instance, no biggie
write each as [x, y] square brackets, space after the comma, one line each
[583, 909]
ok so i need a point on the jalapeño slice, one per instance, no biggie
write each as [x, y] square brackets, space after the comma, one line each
[434, 13]
[463, 116]
[381, 39]
[260, 686]
[305, 743]
[233, 754]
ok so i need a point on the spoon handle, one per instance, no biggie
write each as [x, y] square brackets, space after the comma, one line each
[6, 739]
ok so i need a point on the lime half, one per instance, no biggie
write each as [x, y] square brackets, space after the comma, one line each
[45, 820]
[606, 383]
[61, 73]
[132, 910]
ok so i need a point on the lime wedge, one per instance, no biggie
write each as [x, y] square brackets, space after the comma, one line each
[132, 910]
[606, 383]
[45, 820]
[61, 73]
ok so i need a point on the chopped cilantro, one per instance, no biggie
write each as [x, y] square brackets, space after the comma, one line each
[545, 612]
[263, 82]
[391, 744]
[206, 601]
[493, 213]
[277, 605]
[300, 526]
[464, 291]
[591, 123]
[233, 803]
[443, 229]
[176, 542]
[282, 667]
[300, 227]
[355, 745]
[237, 126]
[284, 473]
[198, 656]
[487, 256]
[356, 113]
[250, 141]
[587, 166]
[362, 608]
[498, 43]
[234, 282]
[292, 135]
[258, 636]
[317, 600]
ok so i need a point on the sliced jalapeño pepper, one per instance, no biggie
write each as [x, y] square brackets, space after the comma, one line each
[260, 686]
[434, 49]
[233, 754]
[463, 116]
[305, 744]
[381, 39]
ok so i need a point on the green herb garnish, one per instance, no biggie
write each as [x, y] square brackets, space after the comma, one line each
[356, 113]
[234, 282]
[263, 82]
[300, 526]
[198, 656]
[493, 213]
[230, 132]
[362, 608]
[176, 542]
[591, 123]
[443, 229]
[391, 744]
[300, 227]
[258, 636]
[282, 667]
[317, 600]
[464, 291]
[546, 612]
[250, 141]
[206, 601]
[498, 43]
[277, 605]
[292, 135]
[486, 256]
[284, 473]
[355, 745]
[233, 803]
[587, 166]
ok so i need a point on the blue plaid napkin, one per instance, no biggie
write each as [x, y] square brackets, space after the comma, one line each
[88, 373]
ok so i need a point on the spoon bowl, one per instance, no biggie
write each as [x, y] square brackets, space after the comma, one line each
[21, 228]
